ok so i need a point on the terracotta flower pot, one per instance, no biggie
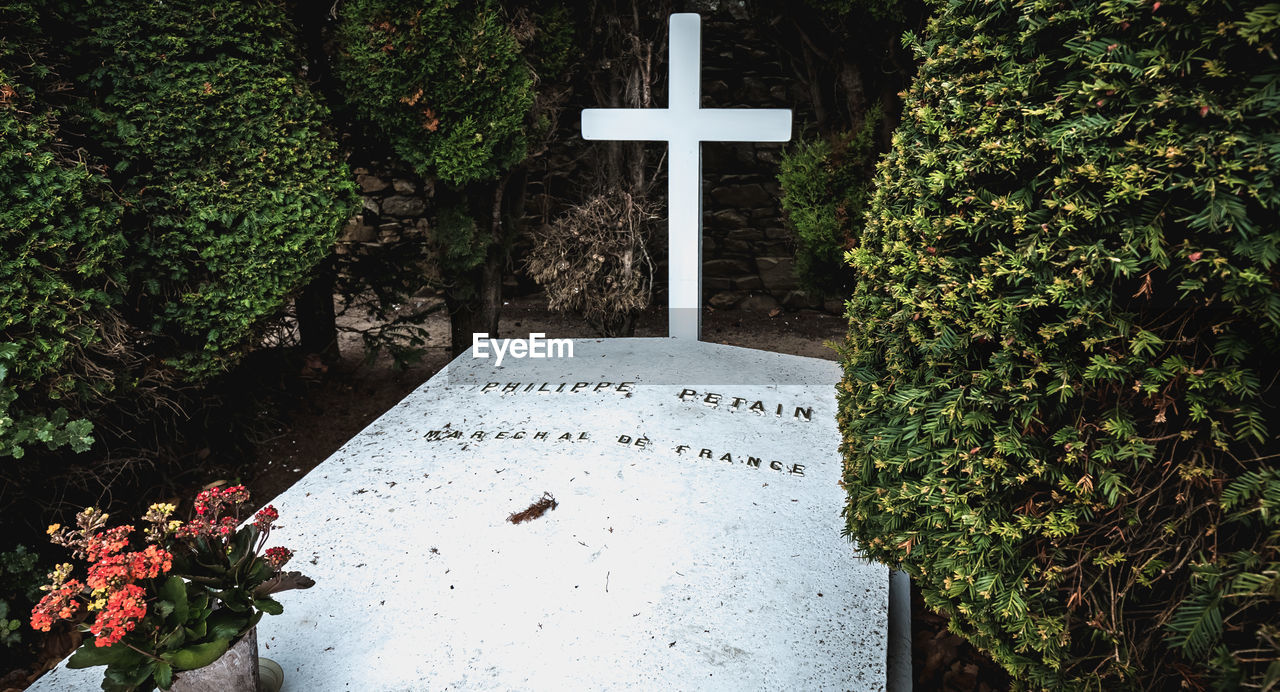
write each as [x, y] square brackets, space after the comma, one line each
[238, 670]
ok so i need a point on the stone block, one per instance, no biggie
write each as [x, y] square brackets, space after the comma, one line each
[371, 183]
[741, 196]
[388, 232]
[750, 282]
[748, 234]
[357, 231]
[754, 90]
[404, 187]
[725, 267]
[728, 218]
[796, 300]
[759, 303]
[403, 206]
[771, 156]
[778, 274]
[725, 300]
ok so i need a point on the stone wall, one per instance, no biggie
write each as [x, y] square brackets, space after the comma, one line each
[395, 206]
[748, 258]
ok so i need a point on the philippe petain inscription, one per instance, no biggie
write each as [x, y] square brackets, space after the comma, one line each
[713, 400]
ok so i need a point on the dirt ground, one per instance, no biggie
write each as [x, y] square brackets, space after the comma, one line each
[350, 395]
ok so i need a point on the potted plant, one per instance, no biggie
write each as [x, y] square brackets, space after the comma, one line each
[177, 598]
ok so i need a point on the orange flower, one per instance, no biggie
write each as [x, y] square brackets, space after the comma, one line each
[125, 607]
[58, 604]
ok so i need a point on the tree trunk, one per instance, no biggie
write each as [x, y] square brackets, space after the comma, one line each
[475, 301]
[474, 296]
[317, 326]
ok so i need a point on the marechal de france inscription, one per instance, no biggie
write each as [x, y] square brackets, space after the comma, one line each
[638, 441]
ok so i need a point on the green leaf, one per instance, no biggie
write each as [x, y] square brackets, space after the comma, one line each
[197, 630]
[174, 590]
[90, 655]
[269, 606]
[197, 656]
[226, 624]
[174, 639]
[242, 544]
[164, 675]
[127, 678]
[259, 572]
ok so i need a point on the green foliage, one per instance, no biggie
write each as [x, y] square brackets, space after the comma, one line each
[551, 49]
[1061, 354]
[462, 247]
[60, 252]
[443, 81]
[826, 183]
[881, 10]
[234, 191]
[20, 579]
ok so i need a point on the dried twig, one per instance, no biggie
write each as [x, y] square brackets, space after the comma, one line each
[535, 510]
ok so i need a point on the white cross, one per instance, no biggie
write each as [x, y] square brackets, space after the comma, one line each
[685, 126]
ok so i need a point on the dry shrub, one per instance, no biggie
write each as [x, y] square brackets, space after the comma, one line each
[593, 261]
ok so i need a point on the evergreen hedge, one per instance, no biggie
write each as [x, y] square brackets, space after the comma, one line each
[234, 189]
[1061, 359]
[60, 251]
[443, 81]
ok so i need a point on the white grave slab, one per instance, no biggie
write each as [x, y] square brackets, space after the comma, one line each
[685, 125]
[696, 543]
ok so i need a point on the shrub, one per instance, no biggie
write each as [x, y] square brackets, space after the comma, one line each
[593, 260]
[235, 192]
[442, 81]
[60, 252]
[826, 183]
[1061, 354]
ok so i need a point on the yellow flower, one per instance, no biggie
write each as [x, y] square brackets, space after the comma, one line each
[53, 528]
[58, 576]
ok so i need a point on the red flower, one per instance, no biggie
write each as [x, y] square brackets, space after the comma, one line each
[276, 557]
[108, 542]
[212, 500]
[266, 517]
[108, 573]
